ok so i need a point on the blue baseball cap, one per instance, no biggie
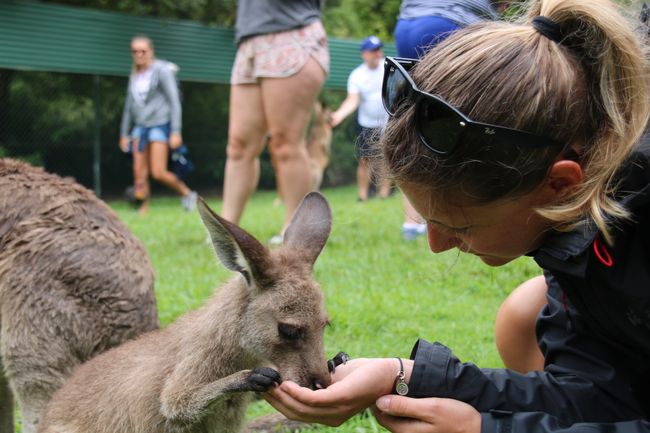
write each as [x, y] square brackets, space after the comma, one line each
[371, 43]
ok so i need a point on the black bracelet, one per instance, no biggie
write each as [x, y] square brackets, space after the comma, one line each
[400, 386]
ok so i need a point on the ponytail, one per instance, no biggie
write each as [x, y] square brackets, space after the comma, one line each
[583, 82]
[616, 72]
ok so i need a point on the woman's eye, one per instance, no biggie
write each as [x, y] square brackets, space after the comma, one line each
[289, 332]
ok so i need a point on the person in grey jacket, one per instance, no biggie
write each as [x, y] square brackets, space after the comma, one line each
[153, 110]
[513, 139]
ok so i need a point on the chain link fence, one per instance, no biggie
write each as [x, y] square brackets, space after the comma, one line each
[69, 124]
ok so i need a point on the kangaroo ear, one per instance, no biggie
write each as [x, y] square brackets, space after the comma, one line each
[310, 226]
[236, 249]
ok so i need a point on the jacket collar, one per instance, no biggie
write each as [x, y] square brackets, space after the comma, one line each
[561, 250]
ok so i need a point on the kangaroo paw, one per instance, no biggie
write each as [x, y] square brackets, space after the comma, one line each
[261, 379]
[340, 358]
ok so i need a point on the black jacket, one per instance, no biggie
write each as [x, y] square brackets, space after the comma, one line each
[594, 333]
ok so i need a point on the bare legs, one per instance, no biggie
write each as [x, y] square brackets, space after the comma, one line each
[153, 160]
[158, 159]
[281, 107]
[364, 179]
[515, 326]
[141, 189]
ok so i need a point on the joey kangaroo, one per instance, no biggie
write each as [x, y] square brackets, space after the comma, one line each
[264, 325]
[74, 282]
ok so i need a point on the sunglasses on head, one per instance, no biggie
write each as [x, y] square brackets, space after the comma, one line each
[441, 126]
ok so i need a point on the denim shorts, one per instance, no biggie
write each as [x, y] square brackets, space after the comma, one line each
[149, 134]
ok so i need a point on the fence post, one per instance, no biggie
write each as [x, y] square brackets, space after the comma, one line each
[97, 145]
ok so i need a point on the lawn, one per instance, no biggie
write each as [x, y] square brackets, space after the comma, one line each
[382, 292]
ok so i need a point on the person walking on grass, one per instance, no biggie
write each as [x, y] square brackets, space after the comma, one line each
[364, 94]
[153, 110]
[512, 139]
[281, 64]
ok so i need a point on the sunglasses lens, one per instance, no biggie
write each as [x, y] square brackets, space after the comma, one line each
[397, 89]
[438, 125]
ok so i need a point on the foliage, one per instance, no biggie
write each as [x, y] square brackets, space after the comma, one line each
[360, 18]
[221, 12]
[343, 18]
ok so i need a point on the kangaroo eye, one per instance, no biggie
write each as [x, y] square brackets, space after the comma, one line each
[289, 332]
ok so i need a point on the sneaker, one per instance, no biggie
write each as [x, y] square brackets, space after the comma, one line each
[189, 201]
[276, 240]
[412, 231]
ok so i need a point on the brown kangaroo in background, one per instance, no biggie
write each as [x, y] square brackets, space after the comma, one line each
[265, 325]
[319, 144]
[74, 282]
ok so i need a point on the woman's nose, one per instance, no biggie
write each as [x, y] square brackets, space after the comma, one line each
[440, 241]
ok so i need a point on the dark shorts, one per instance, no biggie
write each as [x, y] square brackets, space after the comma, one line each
[414, 37]
[366, 140]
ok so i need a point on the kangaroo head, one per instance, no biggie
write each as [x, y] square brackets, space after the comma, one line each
[284, 318]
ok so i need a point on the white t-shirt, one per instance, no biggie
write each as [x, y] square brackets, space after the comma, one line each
[367, 83]
[141, 85]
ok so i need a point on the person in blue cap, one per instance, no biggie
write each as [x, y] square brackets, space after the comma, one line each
[364, 94]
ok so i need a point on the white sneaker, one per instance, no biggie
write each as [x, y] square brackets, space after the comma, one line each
[276, 240]
[189, 201]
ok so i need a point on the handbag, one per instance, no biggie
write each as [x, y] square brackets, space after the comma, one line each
[180, 162]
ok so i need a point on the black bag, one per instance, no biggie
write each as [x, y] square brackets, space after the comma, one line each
[180, 162]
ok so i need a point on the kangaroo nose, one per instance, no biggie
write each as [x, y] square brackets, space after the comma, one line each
[318, 382]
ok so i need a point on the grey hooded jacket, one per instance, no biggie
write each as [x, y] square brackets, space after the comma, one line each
[161, 105]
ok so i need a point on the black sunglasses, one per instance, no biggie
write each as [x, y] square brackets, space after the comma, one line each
[439, 124]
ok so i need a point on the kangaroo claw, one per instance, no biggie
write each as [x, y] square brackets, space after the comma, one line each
[340, 358]
[262, 378]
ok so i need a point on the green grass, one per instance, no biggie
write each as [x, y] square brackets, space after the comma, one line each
[382, 293]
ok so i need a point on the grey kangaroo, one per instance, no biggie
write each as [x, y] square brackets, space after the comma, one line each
[264, 325]
[74, 282]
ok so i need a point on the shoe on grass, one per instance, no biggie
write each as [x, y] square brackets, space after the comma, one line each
[411, 231]
[189, 201]
[276, 240]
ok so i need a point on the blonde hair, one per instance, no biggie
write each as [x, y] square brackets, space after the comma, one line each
[590, 92]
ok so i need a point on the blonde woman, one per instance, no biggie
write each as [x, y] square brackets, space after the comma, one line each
[515, 139]
[153, 110]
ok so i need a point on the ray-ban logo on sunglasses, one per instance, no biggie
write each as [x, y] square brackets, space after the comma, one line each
[489, 131]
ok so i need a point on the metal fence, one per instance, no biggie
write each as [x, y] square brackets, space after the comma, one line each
[69, 123]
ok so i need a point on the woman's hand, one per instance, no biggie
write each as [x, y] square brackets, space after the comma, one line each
[124, 143]
[426, 415]
[356, 386]
[175, 140]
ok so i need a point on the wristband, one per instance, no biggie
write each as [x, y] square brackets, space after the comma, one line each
[400, 386]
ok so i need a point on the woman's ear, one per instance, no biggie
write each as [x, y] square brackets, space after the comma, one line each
[563, 176]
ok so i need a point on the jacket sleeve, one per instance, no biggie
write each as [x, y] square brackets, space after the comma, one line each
[170, 89]
[126, 113]
[539, 422]
[577, 384]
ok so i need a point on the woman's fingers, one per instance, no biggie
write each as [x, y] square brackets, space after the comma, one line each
[332, 415]
[441, 415]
